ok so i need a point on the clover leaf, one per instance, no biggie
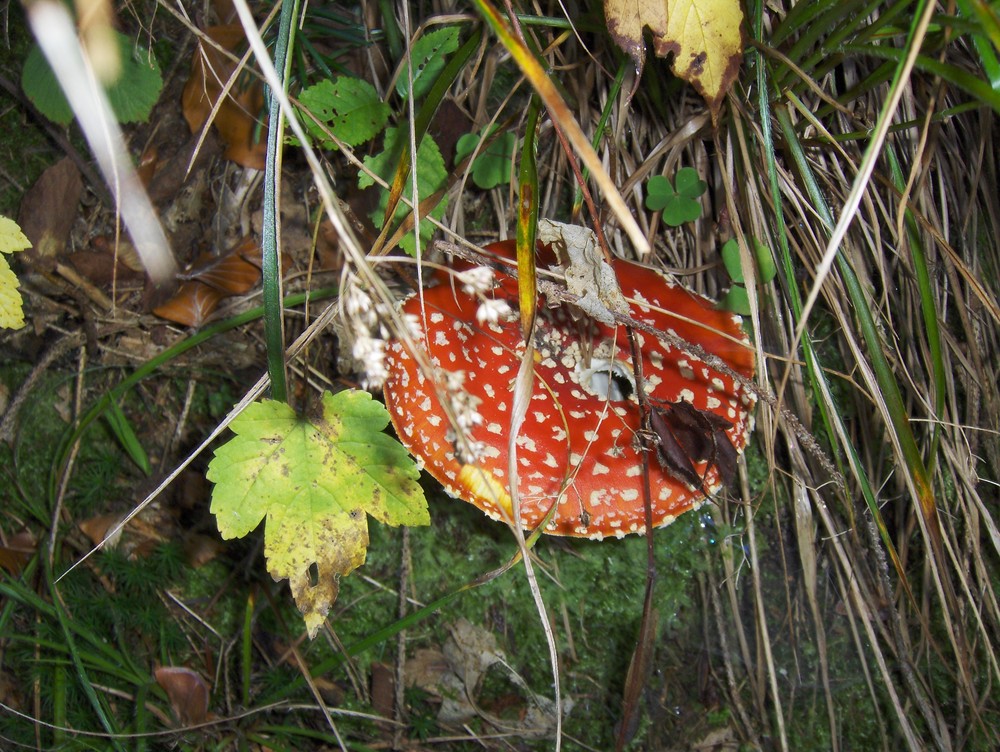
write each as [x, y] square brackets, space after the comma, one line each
[678, 200]
[492, 165]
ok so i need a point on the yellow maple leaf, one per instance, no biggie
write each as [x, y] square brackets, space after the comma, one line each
[12, 240]
[704, 36]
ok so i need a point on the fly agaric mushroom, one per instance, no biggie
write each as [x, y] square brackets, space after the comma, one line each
[579, 446]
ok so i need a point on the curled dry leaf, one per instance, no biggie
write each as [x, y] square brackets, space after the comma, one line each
[705, 38]
[212, 279]
[17, 551]
[237, 118]
[187, 691]
[191, 305]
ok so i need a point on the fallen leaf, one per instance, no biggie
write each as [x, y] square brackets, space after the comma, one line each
[187, 691]
[191, 305]
[315, 481]
[17, 552]
[48, 211]
[236, 120]
[704, 36]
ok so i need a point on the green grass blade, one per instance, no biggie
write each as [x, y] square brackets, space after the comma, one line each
[121, 427]
[974, 86]
[274, 334]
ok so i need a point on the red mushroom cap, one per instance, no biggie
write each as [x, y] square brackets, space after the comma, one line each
[579, 446]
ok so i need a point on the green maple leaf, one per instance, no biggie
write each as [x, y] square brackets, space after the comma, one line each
[350, 108]
[315, 480]
[679, 204]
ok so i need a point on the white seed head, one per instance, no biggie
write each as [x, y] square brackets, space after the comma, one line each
[370, 352]
[477, 281]
[492, 311]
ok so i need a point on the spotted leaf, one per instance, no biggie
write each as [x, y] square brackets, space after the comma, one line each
[314, 481]
[705, 38]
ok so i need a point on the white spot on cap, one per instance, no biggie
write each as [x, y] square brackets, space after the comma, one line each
[600, 469]
[550, 461]
[495, 428]
[630, 494]
[713, 403]
[687, 395]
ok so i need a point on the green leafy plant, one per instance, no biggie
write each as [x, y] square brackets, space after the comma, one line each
[678, 200]
[348, 107]
[428, 55]
[12, 240]
[314, 480]
[132, 95]
[491, 166]
[736, 299]
[431, 177]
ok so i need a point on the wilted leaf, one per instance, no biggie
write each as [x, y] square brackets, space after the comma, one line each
[315, 481]
[349, 107]
[236, 120]
[704, 36]
[191, 304]
[233, 274]
[17, 552]
[213, 278]
[48, 211]
[12, 240]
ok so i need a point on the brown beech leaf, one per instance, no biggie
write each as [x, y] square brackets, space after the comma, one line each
[236, 120]
[48, 211]
[705, 38]
[187, 691]
[17, 552]
[233, 274]
[192, 304]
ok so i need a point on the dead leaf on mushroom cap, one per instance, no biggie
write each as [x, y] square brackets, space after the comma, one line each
[580, 449]
[705, 38]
